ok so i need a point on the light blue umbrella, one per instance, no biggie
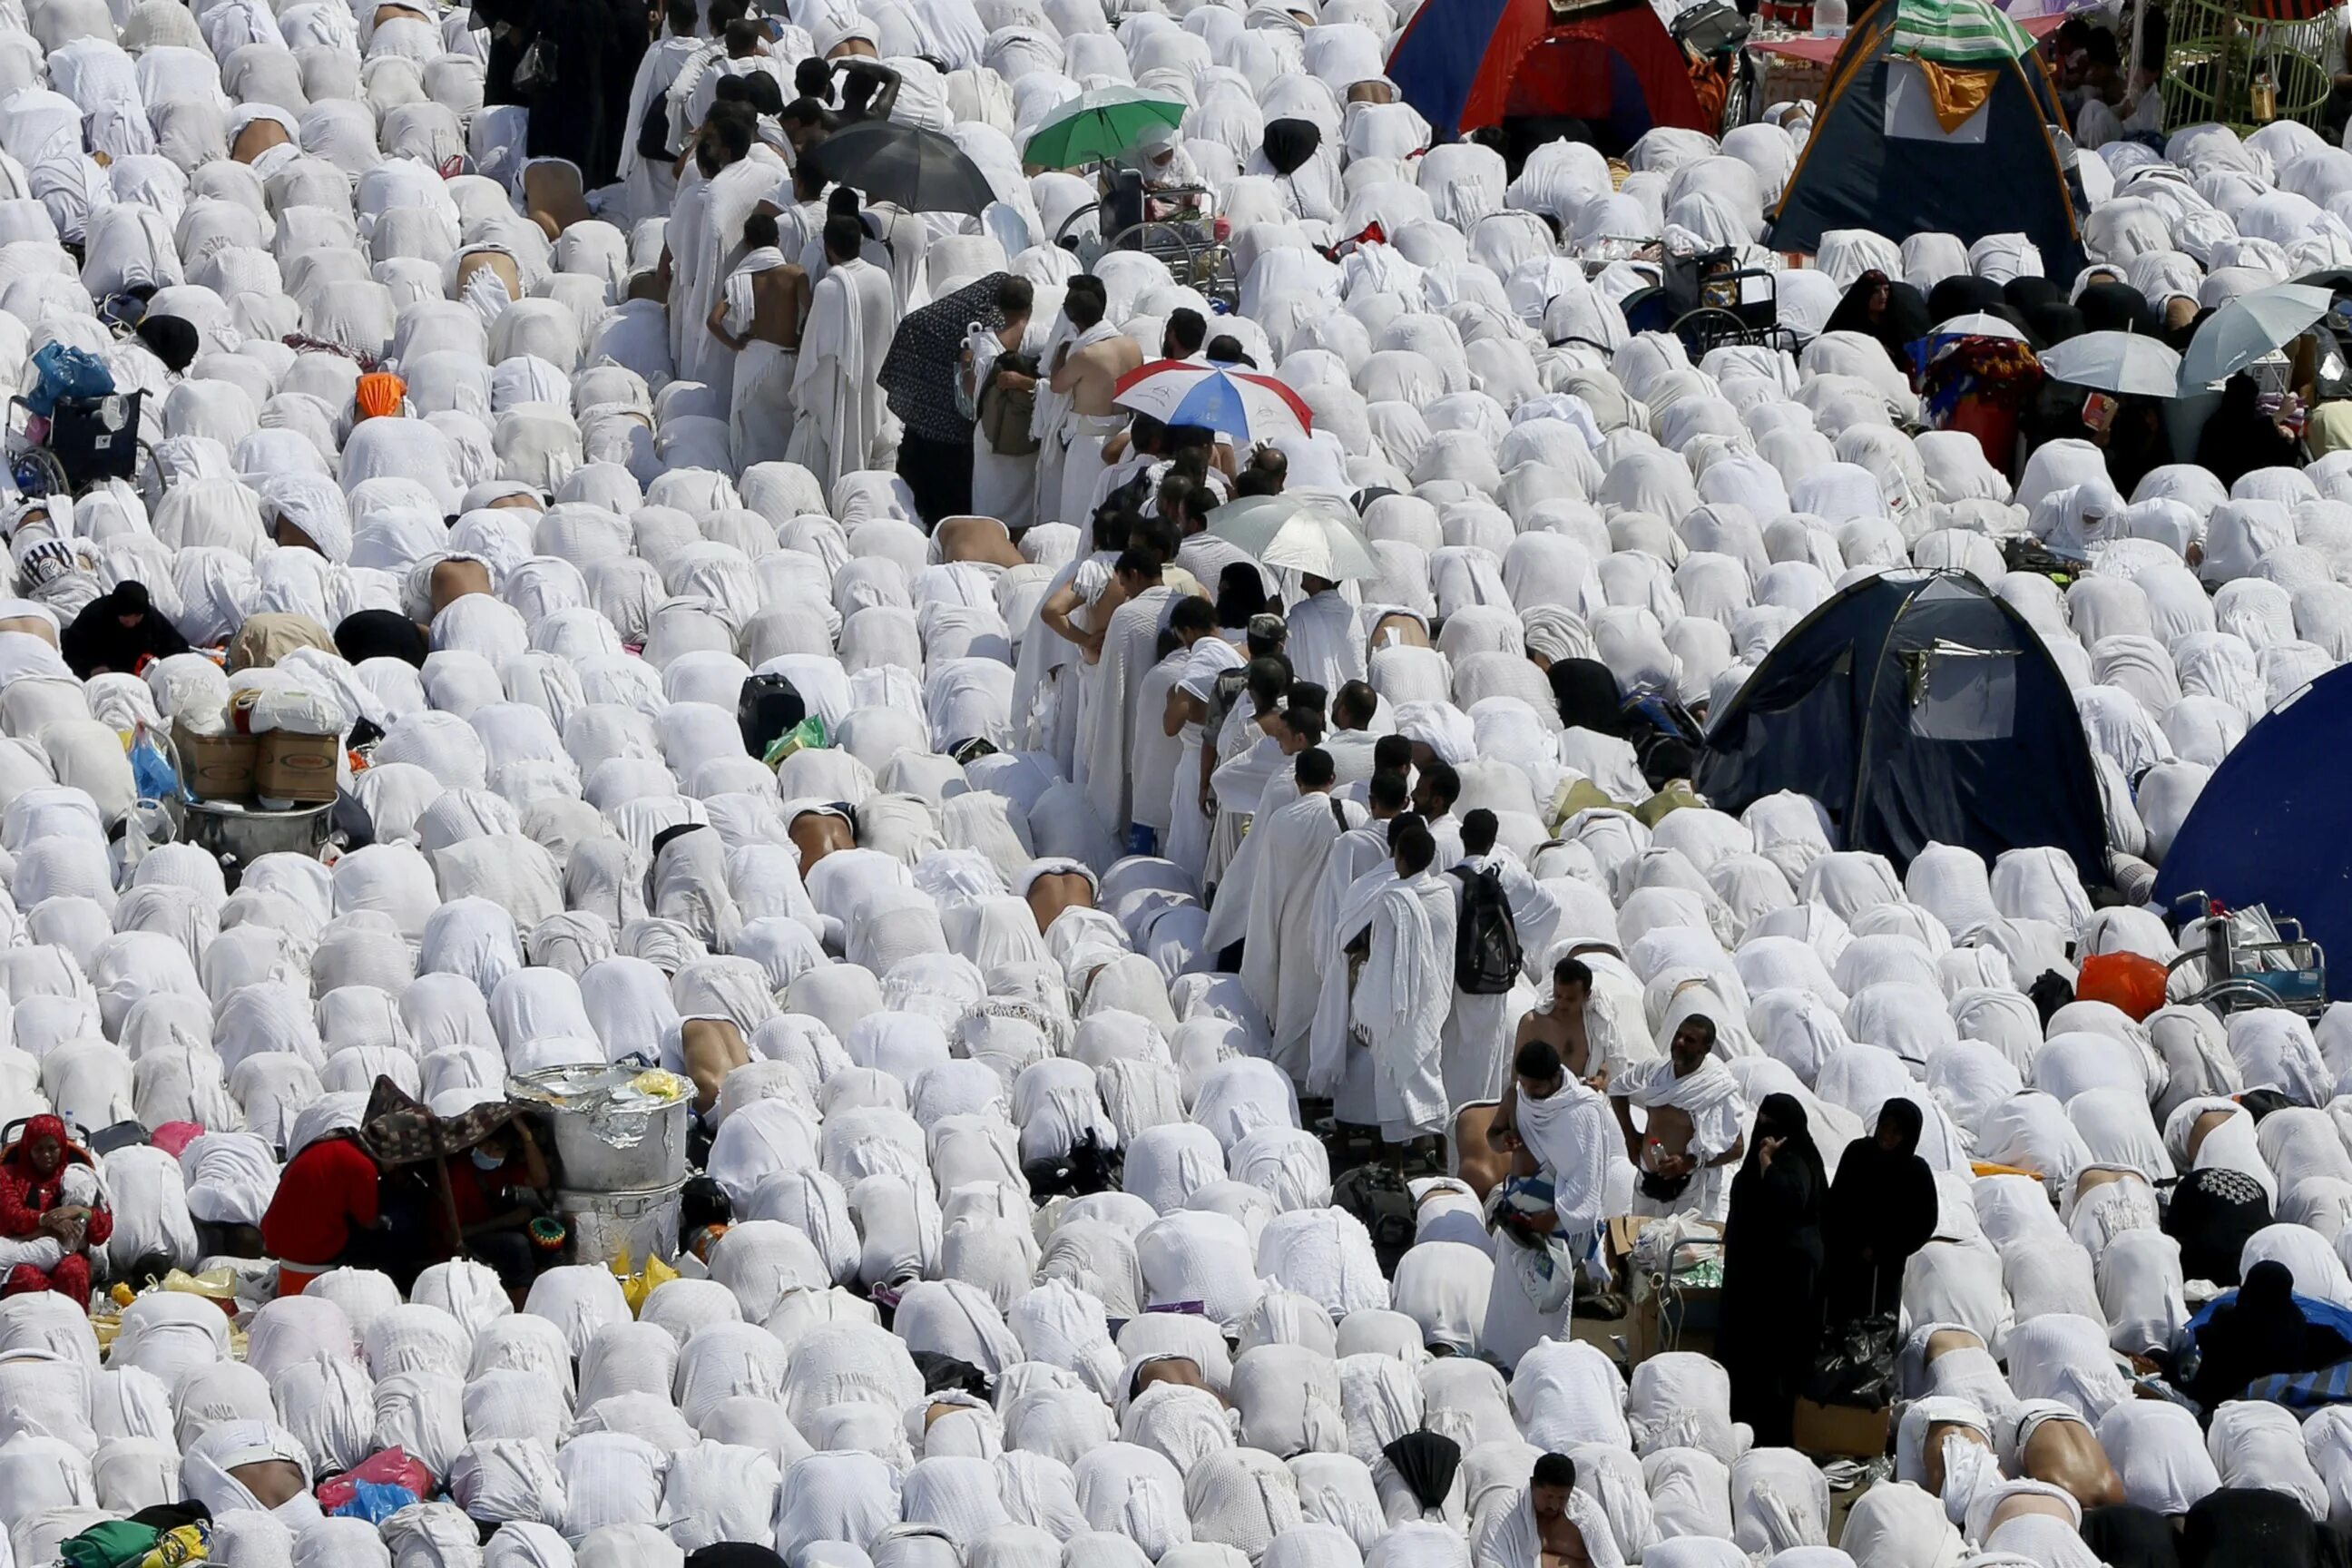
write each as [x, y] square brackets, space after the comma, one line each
[2247, 328]
[2119, 362]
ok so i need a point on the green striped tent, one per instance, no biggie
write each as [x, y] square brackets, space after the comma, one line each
[1879, 159]
[1958, 32]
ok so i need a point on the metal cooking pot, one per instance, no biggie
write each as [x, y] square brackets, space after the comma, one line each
[236, 838]
[609, 1138]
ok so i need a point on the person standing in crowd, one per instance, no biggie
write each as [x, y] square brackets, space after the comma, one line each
[839, 416]
[1772, 1256]
[1882, 1209]
[1084, 362]
[1000, 382]
[758, 315]
[1690, 1134]
[570, 61]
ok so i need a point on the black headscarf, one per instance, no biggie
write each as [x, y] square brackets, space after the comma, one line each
[919, 374]
[381, 634]
[1783, 1117]
[2238, 1527]
[1883, 1199]
[2124, 1536]
[2240, 437]
[1588, 696]
[1241, 594]
[2118, 308]
[734, 1554]
[170, 339]
[99, 640]
[1289, 143]
[1962, 296]
[1897, 323]
[2213, 1214]
[2257, 1332]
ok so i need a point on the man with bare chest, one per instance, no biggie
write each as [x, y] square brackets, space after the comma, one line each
[1561, 1025]
[758, 314]
[1540, 1530]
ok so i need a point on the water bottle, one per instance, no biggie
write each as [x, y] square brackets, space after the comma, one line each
[1829, 18]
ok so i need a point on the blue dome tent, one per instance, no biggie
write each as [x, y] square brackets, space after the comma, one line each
[2273, 825]
[1917, 707]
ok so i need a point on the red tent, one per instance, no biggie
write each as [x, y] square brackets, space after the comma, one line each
[1465, 64]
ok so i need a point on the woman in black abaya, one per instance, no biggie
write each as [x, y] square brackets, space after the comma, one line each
[1882, 1209]
[1772, 1270]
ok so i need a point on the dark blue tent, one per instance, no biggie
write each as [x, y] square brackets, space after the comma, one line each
[1918, 708]
[2274, 823]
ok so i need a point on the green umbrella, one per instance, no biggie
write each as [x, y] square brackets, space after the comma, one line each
[1099, 125]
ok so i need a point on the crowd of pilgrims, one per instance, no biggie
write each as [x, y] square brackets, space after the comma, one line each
[1111, 1146]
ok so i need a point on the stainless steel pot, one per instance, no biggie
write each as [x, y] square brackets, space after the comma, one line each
[608, 1139]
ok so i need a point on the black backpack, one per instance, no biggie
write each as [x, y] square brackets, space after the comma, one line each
[767, 707]
[1486, 955]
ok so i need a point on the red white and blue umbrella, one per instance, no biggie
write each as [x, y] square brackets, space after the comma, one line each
[1242, 404]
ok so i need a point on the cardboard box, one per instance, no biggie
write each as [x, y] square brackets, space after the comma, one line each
[298, 768]
[1840, 1431]
[1679, 1321]
[217, 767]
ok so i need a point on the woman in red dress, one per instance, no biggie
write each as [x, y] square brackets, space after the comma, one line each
[49, 1190]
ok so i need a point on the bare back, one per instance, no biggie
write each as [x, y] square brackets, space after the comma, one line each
[1097, 370]
[780, 302]
[1054, 891]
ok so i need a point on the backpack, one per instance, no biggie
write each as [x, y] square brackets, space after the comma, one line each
[1004, 413]
[1486, 955]
[766, 708]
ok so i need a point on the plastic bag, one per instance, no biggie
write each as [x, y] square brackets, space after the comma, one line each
[1858, 1367]
[65, 371]
[150, 771]
[635, 1286]
[375, 1501]
[388, 1470]
[188, 1544]
[806, 735]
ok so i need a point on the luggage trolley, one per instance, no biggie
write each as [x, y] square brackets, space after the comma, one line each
[2251, 958]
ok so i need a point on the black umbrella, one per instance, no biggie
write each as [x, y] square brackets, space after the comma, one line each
[1427, 1462]
[919, 170]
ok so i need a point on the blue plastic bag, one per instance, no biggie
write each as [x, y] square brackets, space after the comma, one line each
[376, 1502]
[150, 771]
[66, 371]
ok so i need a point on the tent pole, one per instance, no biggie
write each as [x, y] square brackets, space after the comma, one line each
[2131, 66]
[449, 1201]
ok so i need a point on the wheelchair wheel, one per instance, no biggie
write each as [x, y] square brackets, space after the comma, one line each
[38, 472]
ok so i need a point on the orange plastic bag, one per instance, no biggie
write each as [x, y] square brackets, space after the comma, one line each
[2128, 979]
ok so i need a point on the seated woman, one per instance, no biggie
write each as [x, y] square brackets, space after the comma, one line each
[327, 1212]
[498, 1189]
[51, 1213]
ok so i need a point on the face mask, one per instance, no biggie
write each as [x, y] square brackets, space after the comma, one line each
[485, 1161]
